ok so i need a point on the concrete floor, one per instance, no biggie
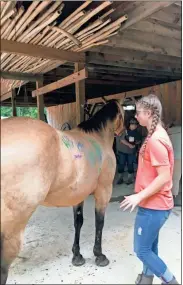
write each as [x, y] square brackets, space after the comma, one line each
[46, 254]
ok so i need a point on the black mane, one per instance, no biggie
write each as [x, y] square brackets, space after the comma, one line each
[100, 119]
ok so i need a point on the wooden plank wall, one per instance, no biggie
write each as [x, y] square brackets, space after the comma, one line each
[58, 115]
[170, 94]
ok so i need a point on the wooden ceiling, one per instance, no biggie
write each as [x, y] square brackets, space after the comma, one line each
[146, 51]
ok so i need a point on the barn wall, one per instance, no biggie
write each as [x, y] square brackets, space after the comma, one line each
[170, 94]
[58, 115]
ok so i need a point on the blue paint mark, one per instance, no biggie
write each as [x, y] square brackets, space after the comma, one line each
[80, 147]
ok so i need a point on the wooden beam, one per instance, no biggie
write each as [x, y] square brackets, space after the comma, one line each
[40, 102]
[40, 51]
[13, 103]
[21, 76]
[6, 96]
[153, 39]
[144, 10]
[110, 77]
[75, 77]
[103, 82]
[132, 71]
[154, 27]
[80, 95]
[132, 61]
[165, 24]
[128, 94]
[168, 16]
[131, 55]
[126, 42]
[141, 82]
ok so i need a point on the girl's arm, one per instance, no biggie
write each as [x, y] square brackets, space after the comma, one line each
[156, 185]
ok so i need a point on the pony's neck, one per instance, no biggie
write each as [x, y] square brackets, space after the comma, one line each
[107, 133]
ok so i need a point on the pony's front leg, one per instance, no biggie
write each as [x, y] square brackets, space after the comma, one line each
[102, 197]
[77, 259]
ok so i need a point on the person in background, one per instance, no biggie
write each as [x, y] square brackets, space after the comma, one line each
[127, 150]
[153, 192]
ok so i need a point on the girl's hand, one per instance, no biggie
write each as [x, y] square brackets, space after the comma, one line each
[131, 201]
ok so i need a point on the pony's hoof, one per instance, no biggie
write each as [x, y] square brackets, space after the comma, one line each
[101, 260]
[78, 260]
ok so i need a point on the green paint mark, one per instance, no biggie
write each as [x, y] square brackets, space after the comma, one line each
[68, 143]
[97, 148]
[95, 153]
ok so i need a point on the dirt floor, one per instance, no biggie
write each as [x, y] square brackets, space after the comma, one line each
[46, 254]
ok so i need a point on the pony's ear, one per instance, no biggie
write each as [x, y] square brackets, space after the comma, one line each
[121, 101]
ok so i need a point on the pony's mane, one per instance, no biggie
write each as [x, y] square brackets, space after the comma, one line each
[99, 120]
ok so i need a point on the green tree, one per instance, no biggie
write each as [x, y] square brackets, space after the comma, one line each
[21, 112]
[6, 111]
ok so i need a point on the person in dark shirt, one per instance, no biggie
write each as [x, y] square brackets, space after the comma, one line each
[127, 145]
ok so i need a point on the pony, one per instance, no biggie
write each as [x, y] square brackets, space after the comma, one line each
[44, 166]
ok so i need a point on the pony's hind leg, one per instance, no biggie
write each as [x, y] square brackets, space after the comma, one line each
[102, 197]
[10, 248]
[101, 259]
[4, 265]
[77, 259]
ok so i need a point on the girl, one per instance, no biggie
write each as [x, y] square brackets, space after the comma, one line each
[153, 191]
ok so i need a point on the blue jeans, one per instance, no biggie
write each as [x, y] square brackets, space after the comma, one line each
[123, 159]
[146, 232]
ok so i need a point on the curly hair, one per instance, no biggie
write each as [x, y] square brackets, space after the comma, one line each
[152, 103]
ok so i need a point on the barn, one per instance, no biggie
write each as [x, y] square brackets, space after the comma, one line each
[67, 58]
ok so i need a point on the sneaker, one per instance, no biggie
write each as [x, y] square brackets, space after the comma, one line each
[173, 281]
[144, 279]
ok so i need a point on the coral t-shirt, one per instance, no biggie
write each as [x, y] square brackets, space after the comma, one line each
[158, 152]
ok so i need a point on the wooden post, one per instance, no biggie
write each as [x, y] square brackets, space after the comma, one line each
[40, 102]
[80, 95]
[77, 76]
[13, 103]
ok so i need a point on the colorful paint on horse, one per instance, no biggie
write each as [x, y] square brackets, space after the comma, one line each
[97, 149]
[68, 143]
[78, 156]
[94, 153]
[80, 147]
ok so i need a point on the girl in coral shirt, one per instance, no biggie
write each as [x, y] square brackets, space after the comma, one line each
[153, 194]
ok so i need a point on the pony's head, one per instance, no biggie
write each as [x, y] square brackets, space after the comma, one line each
[110, 114]
[119, 120]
